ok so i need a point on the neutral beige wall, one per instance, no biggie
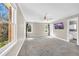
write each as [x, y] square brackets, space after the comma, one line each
[37, 30]
[20, 24]
[78, 31]
[51, 30]
[61, 33]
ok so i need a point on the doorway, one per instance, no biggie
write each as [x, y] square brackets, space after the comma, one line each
[48, 29]
[72, 34]
[28, 29]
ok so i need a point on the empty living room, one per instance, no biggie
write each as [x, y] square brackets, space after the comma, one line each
[39, 29]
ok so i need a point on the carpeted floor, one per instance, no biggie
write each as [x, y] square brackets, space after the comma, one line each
[48, 47]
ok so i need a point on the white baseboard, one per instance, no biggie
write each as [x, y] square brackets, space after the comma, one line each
[20, 48]
[61, 39]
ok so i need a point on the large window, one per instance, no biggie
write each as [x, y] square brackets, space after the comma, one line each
[6, 24]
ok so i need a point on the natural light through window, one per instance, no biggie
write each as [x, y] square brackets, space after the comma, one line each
[6, 25]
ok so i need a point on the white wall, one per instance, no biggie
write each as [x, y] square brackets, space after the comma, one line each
[62, 33]
[78, 31]
[37, 30]
[51, 30]
[20, 25]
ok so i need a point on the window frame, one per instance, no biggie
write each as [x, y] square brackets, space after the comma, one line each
[4, 50]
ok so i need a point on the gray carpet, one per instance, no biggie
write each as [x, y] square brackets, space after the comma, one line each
[48, 47]
[73, 41]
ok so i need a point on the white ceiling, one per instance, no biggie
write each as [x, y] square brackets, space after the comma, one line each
[36, 11]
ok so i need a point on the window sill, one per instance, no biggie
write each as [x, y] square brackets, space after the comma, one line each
[4, 50]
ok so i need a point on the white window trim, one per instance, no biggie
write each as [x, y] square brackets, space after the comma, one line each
[5, 49]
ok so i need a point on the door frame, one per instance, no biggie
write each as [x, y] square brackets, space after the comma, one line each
[68, 31]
